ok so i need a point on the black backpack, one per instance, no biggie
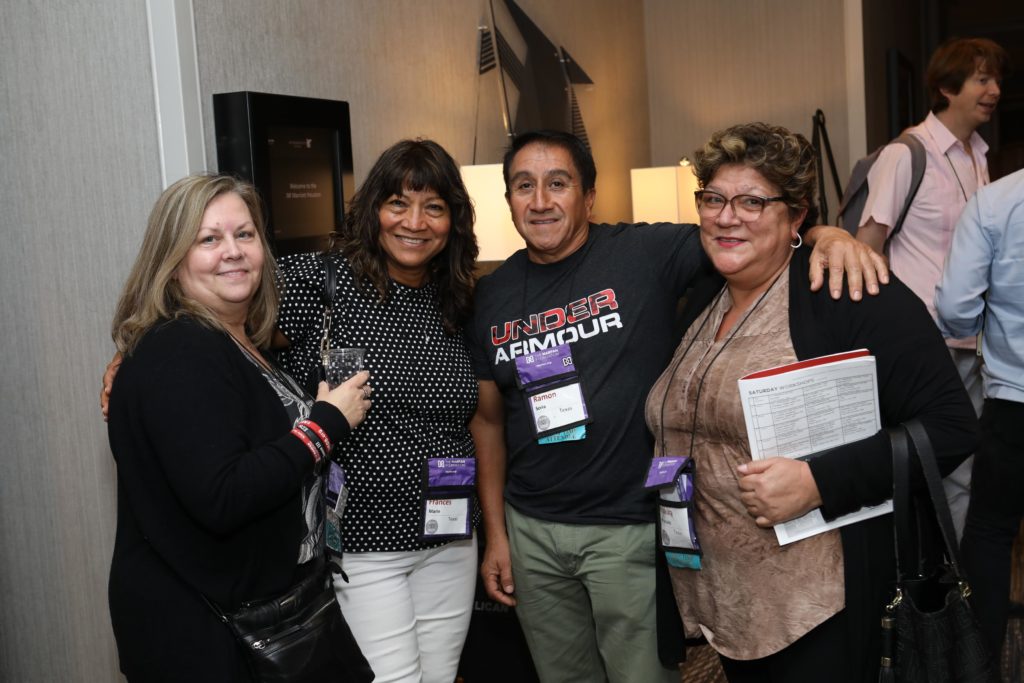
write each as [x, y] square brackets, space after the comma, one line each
[856, 195]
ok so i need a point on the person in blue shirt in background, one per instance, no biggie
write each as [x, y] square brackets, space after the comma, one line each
[982, 291]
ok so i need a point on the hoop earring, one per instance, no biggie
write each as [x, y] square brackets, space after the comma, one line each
[799, 242]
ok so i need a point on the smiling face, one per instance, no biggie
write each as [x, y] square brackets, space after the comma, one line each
[414, 228]
[976, 101]
[748, 253]
[222, 268]
[549, 207]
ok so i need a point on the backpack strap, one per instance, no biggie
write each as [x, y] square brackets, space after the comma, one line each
[918, 161]
[854, 200]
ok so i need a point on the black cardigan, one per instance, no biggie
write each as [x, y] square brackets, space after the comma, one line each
[916, 378]
[209, 483]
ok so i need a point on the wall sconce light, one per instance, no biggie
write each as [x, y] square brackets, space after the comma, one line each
[664, 194]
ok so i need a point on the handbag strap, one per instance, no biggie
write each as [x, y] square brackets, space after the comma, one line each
[901, 493]
[327, 299]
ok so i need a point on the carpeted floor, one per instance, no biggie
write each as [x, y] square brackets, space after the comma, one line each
[702, 666]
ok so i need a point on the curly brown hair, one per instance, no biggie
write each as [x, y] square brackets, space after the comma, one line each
[415, 165]
[784, 158]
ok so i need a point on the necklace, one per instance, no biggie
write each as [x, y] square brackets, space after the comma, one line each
[955, 175]
[251, 352]
[700, 384]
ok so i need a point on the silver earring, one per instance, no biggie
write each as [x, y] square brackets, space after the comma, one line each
[799, 242]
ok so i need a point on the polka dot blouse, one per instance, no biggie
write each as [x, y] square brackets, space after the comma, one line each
[424, 393]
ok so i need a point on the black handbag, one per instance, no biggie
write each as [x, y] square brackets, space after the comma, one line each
[929, 634]
[300, 636]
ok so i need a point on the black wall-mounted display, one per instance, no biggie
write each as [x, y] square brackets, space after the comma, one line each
[297, 151]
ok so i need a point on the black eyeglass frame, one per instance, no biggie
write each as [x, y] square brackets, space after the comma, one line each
[729, 200]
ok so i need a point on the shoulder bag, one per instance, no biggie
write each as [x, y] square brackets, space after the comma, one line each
[300, 636]
[929, 634]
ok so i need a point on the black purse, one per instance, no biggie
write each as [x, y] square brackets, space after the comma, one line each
[929, 634]
[300, 636]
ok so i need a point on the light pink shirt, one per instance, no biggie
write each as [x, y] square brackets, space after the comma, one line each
[918, 252]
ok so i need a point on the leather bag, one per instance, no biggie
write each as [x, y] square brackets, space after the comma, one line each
[929, 634]
[300, 636]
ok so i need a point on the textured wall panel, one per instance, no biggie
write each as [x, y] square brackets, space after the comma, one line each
[714, 64]
[408, 68]
[80, 170]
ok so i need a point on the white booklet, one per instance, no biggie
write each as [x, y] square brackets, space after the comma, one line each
[809, 406]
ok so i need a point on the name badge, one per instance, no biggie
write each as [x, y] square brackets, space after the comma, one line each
[673, 477]
[336, 493]
[664, 470]
[447, 517]
[444, 472]
[546, 365]
[554, 395]
[554, 408]
[448, 499]
[335, 498]
[677, 528]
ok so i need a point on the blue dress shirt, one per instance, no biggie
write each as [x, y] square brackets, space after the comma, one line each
[987, 257]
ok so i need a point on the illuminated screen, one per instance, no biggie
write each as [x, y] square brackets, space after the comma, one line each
[301, 181]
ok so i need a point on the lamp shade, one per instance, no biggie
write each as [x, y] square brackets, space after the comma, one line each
[664, 194]
[495, 233]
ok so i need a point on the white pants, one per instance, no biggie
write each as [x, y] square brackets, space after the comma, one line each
[409, 611]
[958, 484]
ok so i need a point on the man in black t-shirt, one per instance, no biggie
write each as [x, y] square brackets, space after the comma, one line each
[569, 527]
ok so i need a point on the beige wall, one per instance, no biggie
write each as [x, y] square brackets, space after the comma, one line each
[714, 64]
[408, 68]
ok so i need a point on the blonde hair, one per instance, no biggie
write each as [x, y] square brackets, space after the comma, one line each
[152, 293]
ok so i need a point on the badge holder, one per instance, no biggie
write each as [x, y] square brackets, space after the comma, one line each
[447, 509]
[672, 477]
[335, 496]
[554, 395]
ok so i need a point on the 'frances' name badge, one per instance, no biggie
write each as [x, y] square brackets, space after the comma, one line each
[446, 517]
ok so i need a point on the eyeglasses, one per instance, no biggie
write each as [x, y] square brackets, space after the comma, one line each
[747, 207]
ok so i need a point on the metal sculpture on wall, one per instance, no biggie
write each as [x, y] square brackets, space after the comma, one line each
[533, 77]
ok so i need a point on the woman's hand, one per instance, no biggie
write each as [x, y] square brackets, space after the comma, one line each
[839, 252]
[777, 490]
[108, 382]
[351, 397]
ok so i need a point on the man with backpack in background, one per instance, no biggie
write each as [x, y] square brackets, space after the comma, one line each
[963, 79]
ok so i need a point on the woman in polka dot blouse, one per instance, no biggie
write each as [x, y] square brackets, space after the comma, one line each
[404, 258]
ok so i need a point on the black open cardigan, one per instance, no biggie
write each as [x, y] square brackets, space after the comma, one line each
[208, 481]
[916, 378]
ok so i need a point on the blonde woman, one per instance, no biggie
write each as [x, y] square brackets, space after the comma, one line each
[219, 453]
